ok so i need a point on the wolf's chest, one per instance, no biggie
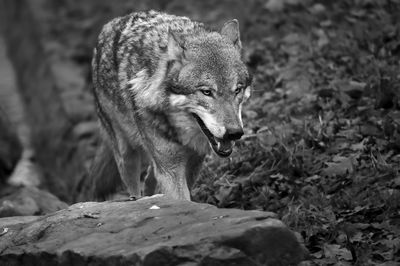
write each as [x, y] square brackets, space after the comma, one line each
[189, 133]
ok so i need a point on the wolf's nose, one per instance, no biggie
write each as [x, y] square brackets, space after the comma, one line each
[233, 133]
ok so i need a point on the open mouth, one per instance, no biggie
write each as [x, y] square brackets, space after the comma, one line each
[220, 146]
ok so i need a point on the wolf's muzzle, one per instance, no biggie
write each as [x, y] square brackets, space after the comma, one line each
[222, 147]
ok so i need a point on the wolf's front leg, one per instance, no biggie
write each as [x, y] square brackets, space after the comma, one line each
[128, 161]
[172, 181]
[175, 169]
[150, 182]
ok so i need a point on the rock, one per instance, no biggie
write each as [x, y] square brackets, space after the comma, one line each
[15, 134]
[10, 148]
[26, 173]
[20, 201]
[49, 122]
[7, 221]
[151, 231]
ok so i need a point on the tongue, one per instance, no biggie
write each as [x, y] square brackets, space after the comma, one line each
[225, 146]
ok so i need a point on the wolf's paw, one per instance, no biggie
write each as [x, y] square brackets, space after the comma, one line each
[133, 198]
[152, 196]
[130, 198]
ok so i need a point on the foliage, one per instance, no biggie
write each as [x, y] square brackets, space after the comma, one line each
[323, 130]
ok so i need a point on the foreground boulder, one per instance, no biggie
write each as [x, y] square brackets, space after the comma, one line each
[25, 201]
[151, 231]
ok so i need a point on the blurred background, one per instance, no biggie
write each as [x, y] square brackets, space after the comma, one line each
[322, 136]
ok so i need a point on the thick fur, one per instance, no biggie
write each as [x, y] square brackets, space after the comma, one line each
[166, 89]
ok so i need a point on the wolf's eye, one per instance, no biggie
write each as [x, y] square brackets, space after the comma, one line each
[207, 92]
[239, 88]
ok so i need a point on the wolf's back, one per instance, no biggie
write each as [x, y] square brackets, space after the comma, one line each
[134, 44]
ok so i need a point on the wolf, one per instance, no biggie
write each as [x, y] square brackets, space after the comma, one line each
[167, 91]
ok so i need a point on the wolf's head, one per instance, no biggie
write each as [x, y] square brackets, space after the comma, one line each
[208, 79]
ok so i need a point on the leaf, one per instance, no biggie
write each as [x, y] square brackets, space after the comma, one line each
[267, 139]
[357, 237]
[322, 38]
[226, 193]
[249, 114]
[334, 251]
[317, 8]
[313, 178]
[275, 5]
[396, 182]
[298, 87]
[391, 243]
[353, 88]
[267, 96]
[358, 146]
[339, 166]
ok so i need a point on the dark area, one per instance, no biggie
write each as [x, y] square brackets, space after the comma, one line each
[10, 148]
[322, 129]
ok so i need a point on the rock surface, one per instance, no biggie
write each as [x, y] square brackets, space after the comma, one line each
[151, 231]
[22, 201]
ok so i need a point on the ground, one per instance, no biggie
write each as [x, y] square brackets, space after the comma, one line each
[323, 131]
[322, 139]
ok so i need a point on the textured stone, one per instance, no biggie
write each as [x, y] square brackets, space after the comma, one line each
[21, 201]
[151, 231]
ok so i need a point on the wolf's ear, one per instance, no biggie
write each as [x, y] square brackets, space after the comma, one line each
[176, 47]
[231, 31]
